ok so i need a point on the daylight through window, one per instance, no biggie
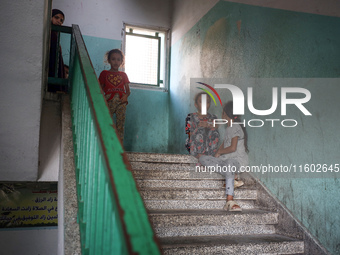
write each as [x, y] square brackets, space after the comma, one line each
[145, 56]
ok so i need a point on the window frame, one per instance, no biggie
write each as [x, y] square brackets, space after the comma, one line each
[166, 54]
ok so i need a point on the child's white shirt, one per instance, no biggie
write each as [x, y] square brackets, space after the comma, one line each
[240, 154]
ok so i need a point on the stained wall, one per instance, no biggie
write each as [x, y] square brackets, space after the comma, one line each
[238, 41]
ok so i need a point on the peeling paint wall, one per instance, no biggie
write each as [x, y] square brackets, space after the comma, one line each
[242, 41]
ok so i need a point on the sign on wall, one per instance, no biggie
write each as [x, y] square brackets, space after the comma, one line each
[28, 204]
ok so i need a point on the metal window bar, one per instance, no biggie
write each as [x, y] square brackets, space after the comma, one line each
[156, 37]
[111, 212]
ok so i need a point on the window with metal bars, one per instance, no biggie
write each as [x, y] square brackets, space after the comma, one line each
[145, 55]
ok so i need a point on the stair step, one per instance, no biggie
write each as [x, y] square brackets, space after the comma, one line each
[167, 218]
[156, 157]
[212, 222]
[194, 204]
[175, 174]
[183, 183]
[214, 230]
[176, 194]
[232, 244]
[162, 166]
[186, 175]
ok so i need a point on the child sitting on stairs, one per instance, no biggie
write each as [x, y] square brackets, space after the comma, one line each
[232, 153]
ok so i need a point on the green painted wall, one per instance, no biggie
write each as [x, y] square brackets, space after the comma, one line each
[96, 47]
[240, 41]
[146, 124]
[146, 128]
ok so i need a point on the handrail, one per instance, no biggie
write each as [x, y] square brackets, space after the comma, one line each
[111, 213]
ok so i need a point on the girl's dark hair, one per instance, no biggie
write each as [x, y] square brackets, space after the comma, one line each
[57, 11]
[118, 51]
[200, 94]
[228, 109]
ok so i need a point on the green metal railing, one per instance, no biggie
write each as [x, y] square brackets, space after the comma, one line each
[62, 83]
[111, 214]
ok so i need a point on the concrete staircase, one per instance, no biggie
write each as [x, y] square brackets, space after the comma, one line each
[185, 208]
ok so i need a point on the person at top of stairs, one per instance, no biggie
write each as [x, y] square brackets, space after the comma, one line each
[203, 137]
[115, 85]
[231, 155]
